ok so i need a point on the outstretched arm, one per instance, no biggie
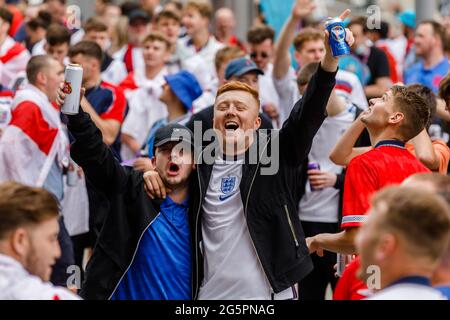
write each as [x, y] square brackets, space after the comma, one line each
[342, 242]
[309, 112]
[282, 62]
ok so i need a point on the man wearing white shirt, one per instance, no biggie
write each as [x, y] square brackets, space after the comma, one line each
[401, 243]
[13, 55]
[143, 90]
[169, 24]
[247, 237]
[261, 40]
[131, 53]
[309, 47]
[28, 244]
[113, 70]
[58, 43]
[197, 16]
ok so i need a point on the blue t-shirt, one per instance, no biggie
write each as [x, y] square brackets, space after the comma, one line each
[445, 290]
[428, 77]
[161, 268]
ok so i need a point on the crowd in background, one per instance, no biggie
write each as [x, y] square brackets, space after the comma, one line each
[149, 64]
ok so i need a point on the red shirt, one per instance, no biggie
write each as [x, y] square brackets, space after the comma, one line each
[387, 164]
[349, 287]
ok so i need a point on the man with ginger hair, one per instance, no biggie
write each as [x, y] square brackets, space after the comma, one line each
[238, 218]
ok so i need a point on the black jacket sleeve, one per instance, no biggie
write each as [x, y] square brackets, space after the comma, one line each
[306, 117]
[340, 178]
[89, 151]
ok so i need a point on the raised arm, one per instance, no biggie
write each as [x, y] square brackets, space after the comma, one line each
[344, 150]
[309, 112]
[441, 110]
[93, 155]
[424, 150]
[282, 61]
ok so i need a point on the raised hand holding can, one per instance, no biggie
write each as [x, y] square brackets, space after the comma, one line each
[338, 44]
[73, 77]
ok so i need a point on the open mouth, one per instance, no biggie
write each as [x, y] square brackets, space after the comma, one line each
[231, 126]
[173, 169]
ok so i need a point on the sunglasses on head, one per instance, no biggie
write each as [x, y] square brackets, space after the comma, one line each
[264, 55]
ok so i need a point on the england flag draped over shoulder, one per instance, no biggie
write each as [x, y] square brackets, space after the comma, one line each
[33, 139]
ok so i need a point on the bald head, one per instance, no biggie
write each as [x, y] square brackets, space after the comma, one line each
[225, 23]
[37, 64]
[224, 14]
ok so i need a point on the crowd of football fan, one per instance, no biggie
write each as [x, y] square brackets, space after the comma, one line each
[360, 200]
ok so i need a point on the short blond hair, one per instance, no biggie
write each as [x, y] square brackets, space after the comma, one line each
[157, 36]
[204, 7]
[305, 35]
[22, 206]
[226, 54]
[421, 218]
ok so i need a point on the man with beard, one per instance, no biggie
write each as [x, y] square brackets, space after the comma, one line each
[143, 251]
[28, 244]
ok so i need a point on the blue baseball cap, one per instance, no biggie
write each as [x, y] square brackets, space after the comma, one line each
[185, 86]
[408, 18]
[241, 66]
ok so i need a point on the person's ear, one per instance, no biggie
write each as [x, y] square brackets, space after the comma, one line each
[396, 118]
[41, 77]
[386, 247]
[154, 161]
[257, 122]
[20, 242]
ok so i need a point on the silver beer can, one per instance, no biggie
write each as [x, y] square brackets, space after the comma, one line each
[72, 174]
[73, 77]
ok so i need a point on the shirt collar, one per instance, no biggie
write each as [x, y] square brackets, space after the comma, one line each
[432, 68]
[412, 280]
[391, 143]
[168, 202]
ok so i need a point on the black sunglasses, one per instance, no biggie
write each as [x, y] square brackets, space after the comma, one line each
[263, 55]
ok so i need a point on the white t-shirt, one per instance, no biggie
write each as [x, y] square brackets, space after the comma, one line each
[347, 85]
[145, 110]
[232, 270]
[408, 291]
[115, 73]
[136, 56]
[206, 74]
[267, 91]
[5, 111]
[39, 48]
[17, 284]
[323, 205]
[288, 93]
